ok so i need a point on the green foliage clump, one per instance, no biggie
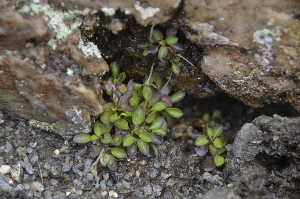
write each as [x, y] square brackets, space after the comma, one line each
[214, 143]
[168, 49]
[134, 118]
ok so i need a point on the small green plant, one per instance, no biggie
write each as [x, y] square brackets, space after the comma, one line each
[168, 49]
[213, 143]
[134, 118]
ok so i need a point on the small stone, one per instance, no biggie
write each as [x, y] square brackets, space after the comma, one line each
[148, 190]
[17, 173]
[5, 169]
[171, 182]
[164, 175]
[37, 186]
[112, 193]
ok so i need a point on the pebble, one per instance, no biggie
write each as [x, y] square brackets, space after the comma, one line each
[37, 186]
[5, 169]
[17, 173]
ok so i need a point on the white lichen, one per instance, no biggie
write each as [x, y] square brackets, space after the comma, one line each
[108, 11]
[90, 49]
[145, 12]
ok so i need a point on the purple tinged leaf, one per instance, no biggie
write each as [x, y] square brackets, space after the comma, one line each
[209, 164]
[153, 49]
[94, 151]
[109, 86]
[125, 98]
[82, 151]
[201, 150]
[156, 139]
[130, 85]
[167, 100]
[142, 45]
[143, 147]
[153, 151]
[126, 107]
[171, 32]
[132, 150]
[156, 97]
[157, 35]
[176, 47]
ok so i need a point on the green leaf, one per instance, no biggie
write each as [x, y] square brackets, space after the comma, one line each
[115, 69]
[213, 150]
[202, 140]
[206, 117]
[156, 124]
[119, 153]
[128, 140]
[138, 116]
[109, 159]
[219, 160]
[150, 118]
[223, 140]
[159, 132]
[175, 68]
[147, 93]
[82, 138]
[100, 128]
[105, 117]
[216, 114]
[162, 52]
[179, 95]
[174, 112]
[210, 133]
[106, 138]
[157, 35]
[122, 124]
[145, 137]
[94, 137]
[134, 100]
[222, 150]
[145, 52]
[217, 142]
[154, 148]
[108, 106]
[114, 117]
[171, 40]
[217, 131]
[117, 140]
[158, 106]
[143, 146]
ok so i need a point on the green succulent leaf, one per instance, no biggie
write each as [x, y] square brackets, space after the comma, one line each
[222, 150]
[145, 52]
[122, 124]
[100, 128]
[119, 153]
[219, 160]
[115, 69]
[216, 114]
[175, 68]
[158, 106]
[105, 117]
[108, 106]
[174, 112]
[206, 117]
[138, 116]
[147, 93]
[134, 100]
[145, 137]
[82, 138]
[213, 150]
[157, 35]
[117, 140]
[202, 140]
[217, 142]
[150, 118]
[128, 140]
[223, 140]
[162, 52]
[94, 137]
[172, 40]
[143, 146]
[177, 59]
[106, 138]
[159, 132]
[210, 133]
[179, 95]
[114, 117]
[109, 160]
[156, 124]
[217, 131]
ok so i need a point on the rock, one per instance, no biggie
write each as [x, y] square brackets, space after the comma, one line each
[37, 187]
[256, 153]
[54, 76]
[17, 173]
[5, 169]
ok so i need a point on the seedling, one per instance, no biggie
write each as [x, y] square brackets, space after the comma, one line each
[134, 117]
